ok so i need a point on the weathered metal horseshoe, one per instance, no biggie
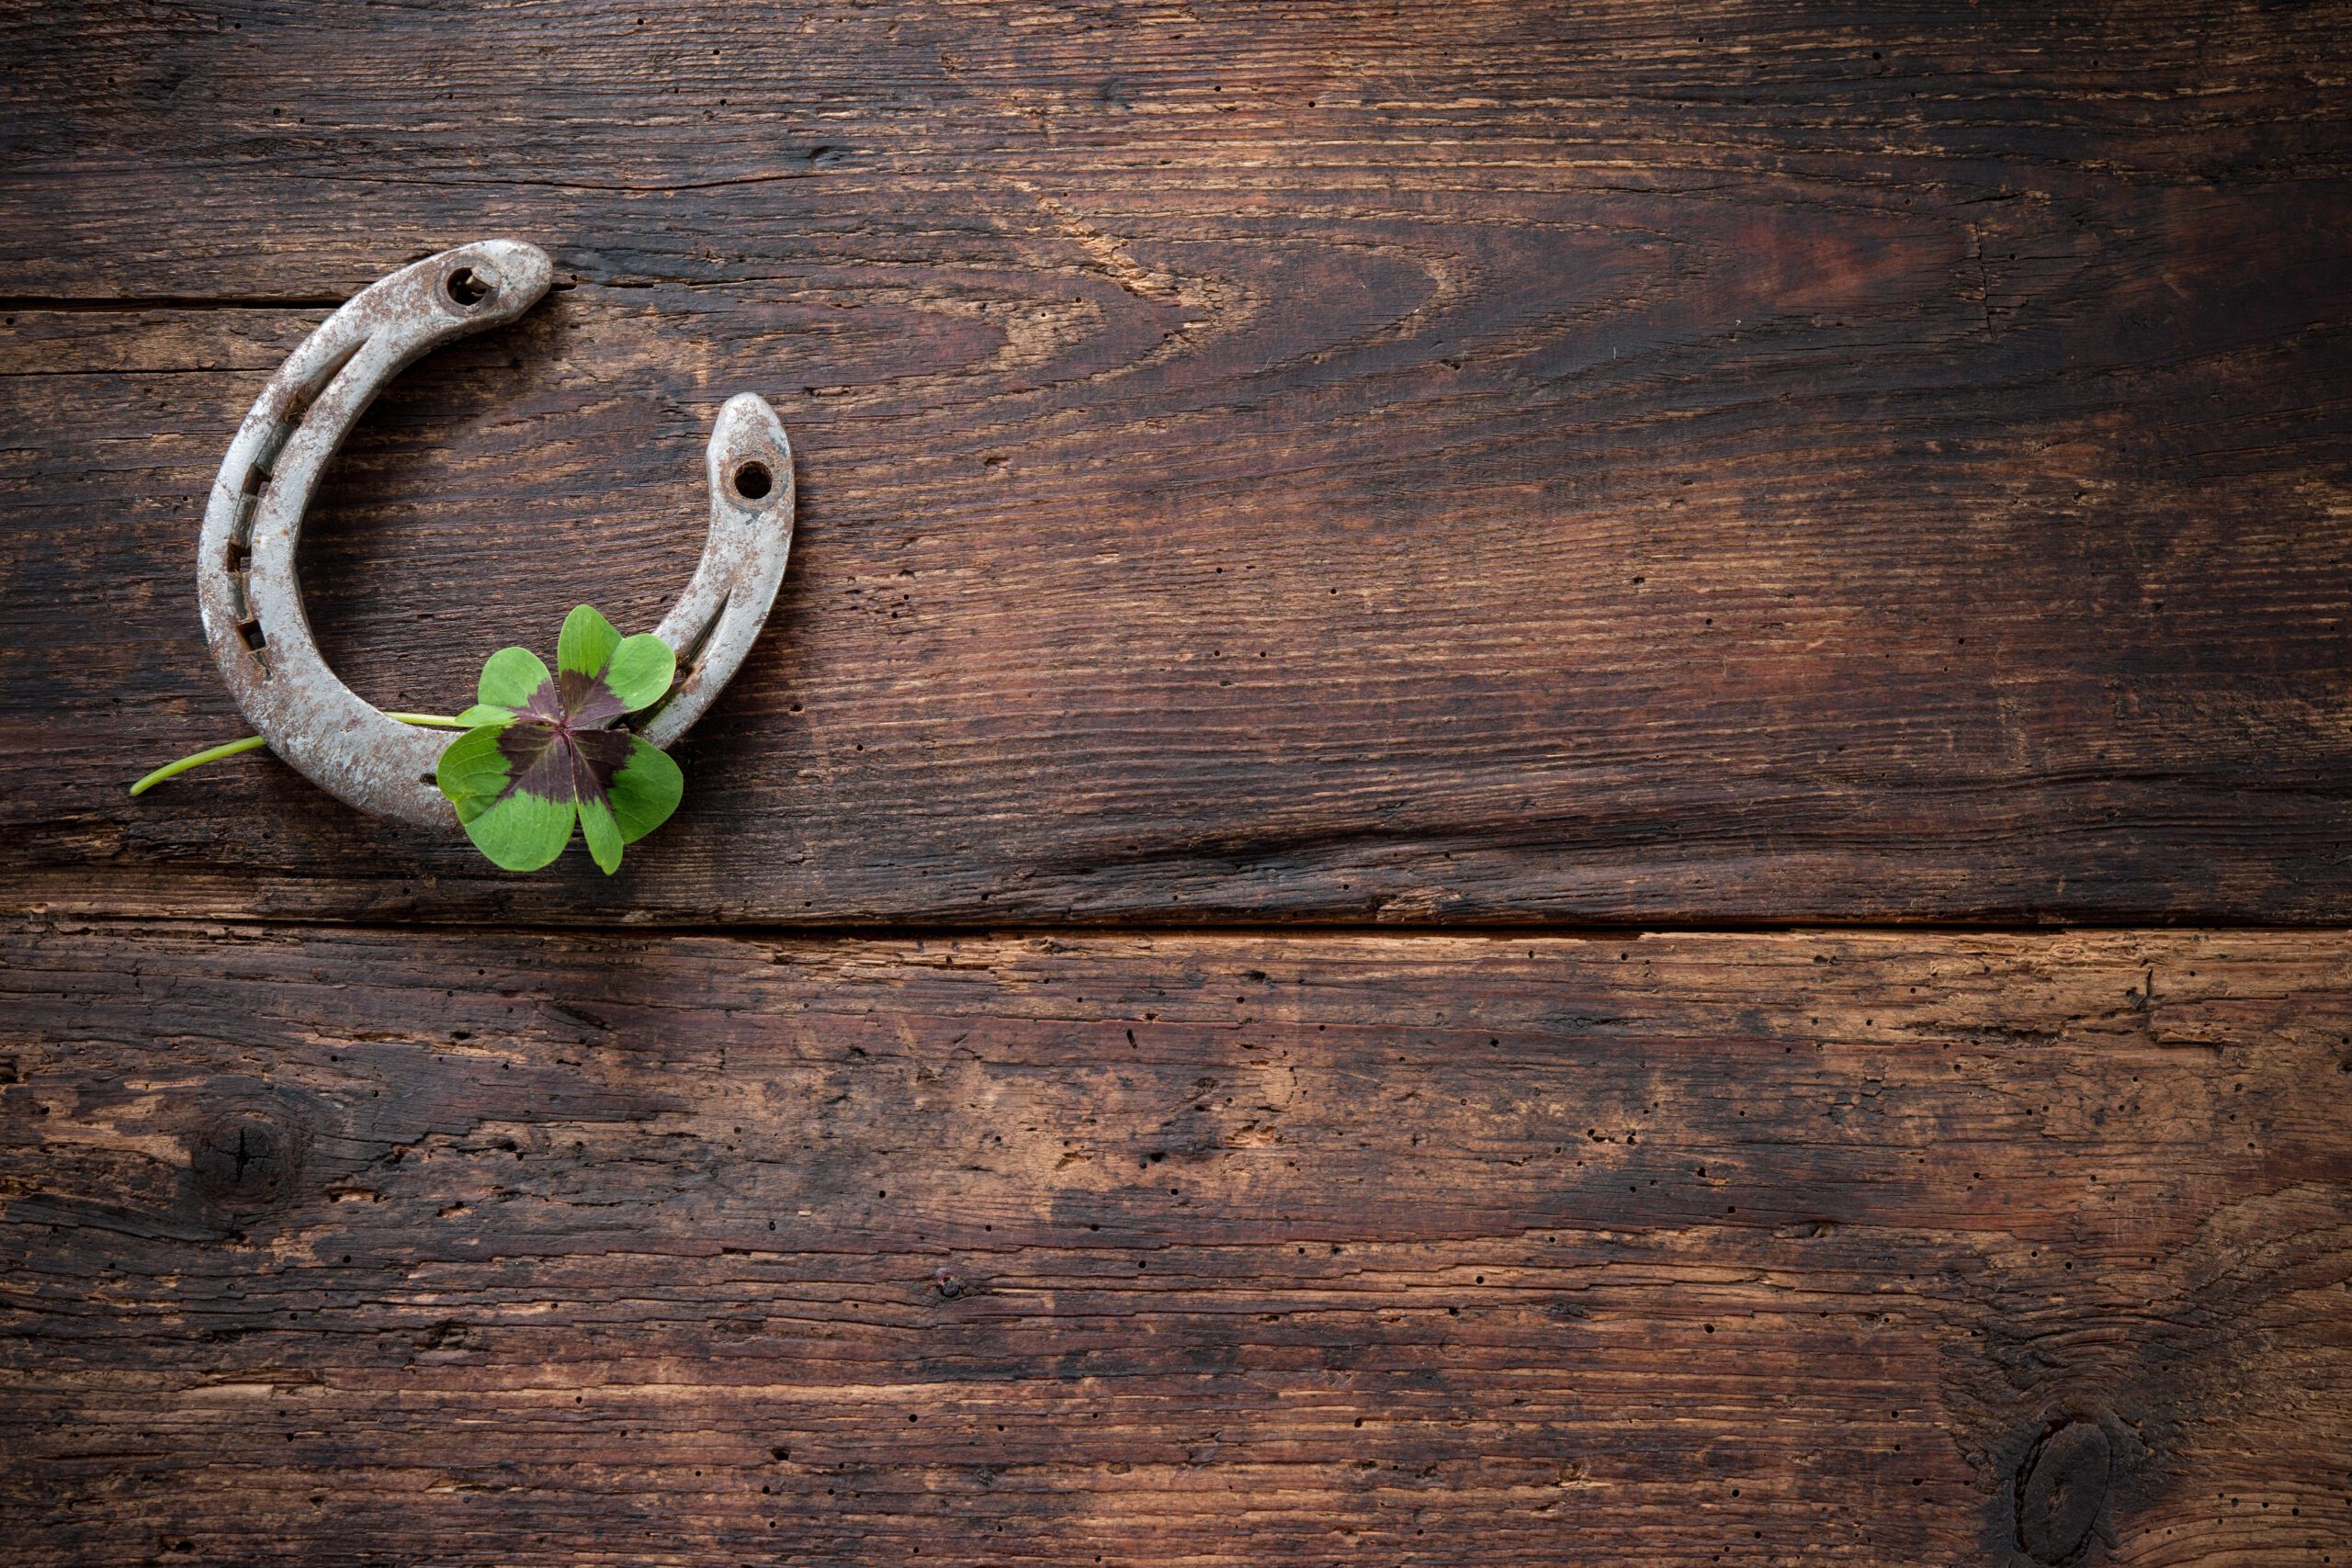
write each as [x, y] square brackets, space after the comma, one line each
[244, 572]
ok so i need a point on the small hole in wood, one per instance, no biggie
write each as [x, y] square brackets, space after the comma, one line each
[466, 288]
[752, 480]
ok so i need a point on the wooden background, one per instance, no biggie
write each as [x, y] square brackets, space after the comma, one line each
[1540, 783]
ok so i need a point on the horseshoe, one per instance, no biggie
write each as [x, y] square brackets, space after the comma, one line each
[251, 602]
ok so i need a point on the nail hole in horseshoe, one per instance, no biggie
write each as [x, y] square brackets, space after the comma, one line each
[752, 480]
[466, 288]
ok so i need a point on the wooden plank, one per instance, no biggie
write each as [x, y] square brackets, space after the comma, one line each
[348, 1245]
[1480, 463]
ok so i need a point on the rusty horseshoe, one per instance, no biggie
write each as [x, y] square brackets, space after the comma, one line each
[245, 572]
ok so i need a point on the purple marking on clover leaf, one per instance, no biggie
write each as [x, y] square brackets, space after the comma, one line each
[544, 755]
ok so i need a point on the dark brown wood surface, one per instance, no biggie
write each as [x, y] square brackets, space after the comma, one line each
[1633, 478]
[1432, 462]
[1674, 1249]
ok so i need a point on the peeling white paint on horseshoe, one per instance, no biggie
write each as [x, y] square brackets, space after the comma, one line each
[252, 601]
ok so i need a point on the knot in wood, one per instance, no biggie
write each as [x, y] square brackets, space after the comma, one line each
[2061, 1488]
[243, 1160]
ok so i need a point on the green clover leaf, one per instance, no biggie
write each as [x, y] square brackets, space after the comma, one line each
[544, 752]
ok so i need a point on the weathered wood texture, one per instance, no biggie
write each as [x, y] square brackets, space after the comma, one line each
[339, 1247]
[1425, 462]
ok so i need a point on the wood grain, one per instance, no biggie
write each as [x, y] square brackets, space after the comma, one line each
[343, 1247]
[1427, 463]
[1516, 464]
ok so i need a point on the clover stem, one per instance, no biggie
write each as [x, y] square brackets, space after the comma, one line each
[214, 753]
[195, 760]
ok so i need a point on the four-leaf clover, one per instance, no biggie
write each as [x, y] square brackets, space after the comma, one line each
[543, 753]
